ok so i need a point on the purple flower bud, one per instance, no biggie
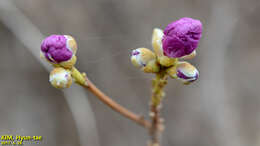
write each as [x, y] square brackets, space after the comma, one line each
[181, 37]
[58, 48]
[186, 72]
[145, 59]
[60, 78]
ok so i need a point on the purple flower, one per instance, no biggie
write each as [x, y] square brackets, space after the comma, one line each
[181, 37]
[58, 48]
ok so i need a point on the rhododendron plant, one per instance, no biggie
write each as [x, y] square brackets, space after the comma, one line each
[177, 42]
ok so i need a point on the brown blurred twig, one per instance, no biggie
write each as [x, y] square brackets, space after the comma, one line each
[115, 106]
[85, 82]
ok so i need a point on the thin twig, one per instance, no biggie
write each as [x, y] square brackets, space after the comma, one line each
[157, 94]
[115, 106]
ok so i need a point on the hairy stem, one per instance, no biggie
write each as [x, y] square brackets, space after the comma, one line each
[157, 95]
[82, 80]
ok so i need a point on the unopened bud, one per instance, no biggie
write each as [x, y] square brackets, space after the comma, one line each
[157, 45]
[184, 72]
[145, 59]
[60, 78]
[59, 50]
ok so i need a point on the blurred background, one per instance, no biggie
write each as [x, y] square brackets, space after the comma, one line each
[221, 109]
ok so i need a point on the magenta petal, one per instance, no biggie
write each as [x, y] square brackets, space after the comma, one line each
[181, 37]
[54, 46]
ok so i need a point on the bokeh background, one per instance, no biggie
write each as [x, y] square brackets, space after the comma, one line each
[221, 109]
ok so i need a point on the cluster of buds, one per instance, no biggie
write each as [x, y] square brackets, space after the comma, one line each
[60, 51]
[177, 42]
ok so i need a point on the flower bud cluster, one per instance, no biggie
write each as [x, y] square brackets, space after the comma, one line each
[177, 42]
[60, 51]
